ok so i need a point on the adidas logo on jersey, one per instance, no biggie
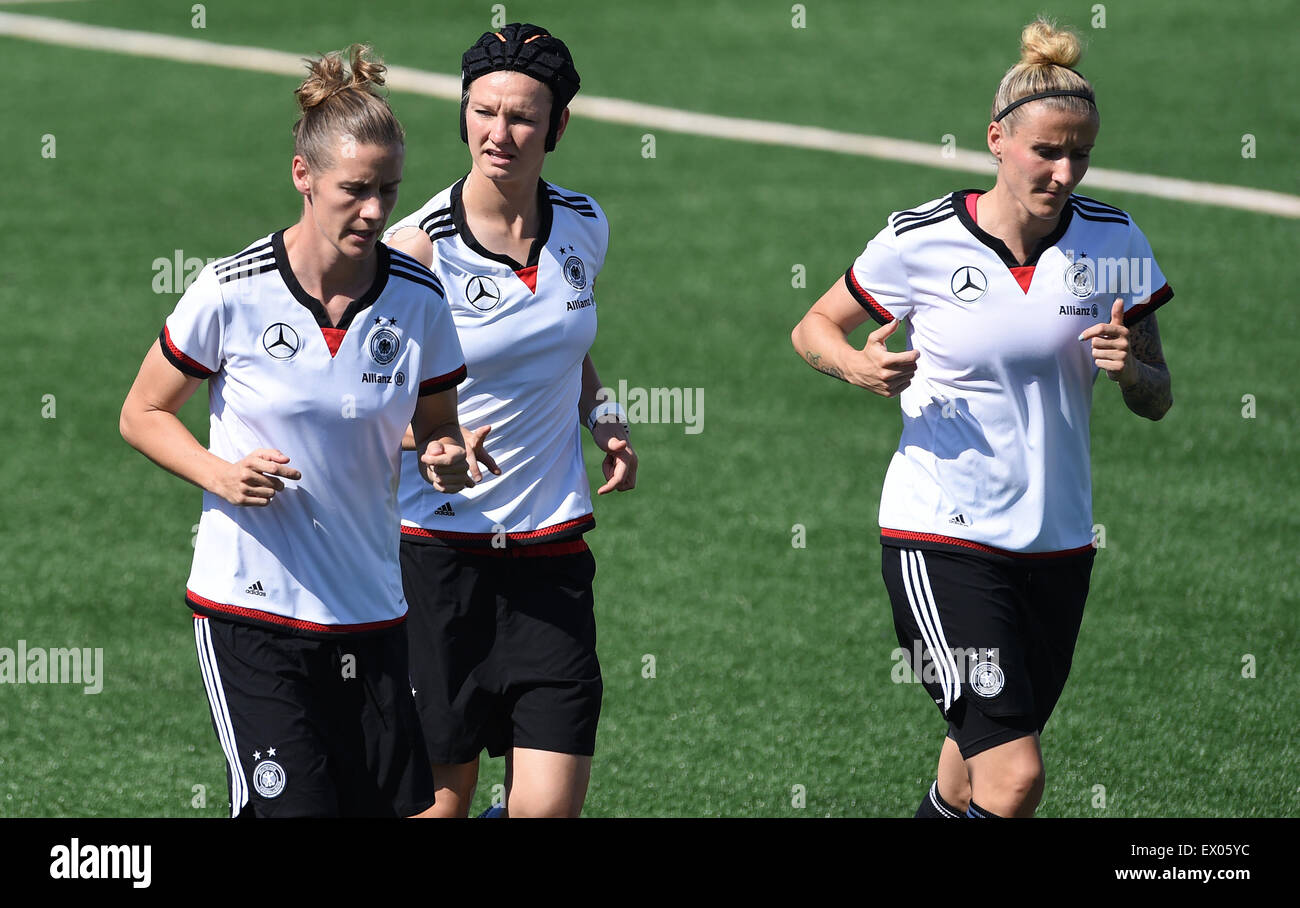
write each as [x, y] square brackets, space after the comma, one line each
[960, 520]
[445, 510]
[255, 589]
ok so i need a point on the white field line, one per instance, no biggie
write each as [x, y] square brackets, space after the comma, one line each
[642, 116]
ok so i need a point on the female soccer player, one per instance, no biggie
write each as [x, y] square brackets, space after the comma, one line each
[503, 638]
[320, 346]
[1014, 299]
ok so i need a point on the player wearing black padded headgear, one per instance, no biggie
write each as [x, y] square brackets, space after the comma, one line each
[500, 583]
[531, 50]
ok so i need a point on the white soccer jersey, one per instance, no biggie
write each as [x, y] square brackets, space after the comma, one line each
[995, 449]
[336, 400]
[525, 329]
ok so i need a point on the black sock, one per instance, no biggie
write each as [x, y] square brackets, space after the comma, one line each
[978, 812]
[934, 807]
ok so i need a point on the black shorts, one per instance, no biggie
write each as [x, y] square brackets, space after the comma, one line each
[991, 639]
[503, 651]
[311, 727]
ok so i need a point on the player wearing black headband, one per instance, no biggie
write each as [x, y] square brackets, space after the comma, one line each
[499, 579]
[1014, 298]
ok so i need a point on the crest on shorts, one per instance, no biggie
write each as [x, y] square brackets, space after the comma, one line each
[987, 679]
[268, 778]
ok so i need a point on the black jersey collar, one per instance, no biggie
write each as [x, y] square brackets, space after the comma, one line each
[544, 218]
[988, 239]
[317, 309]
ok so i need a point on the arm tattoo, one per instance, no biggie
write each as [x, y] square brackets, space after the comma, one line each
[815, 360]
[1151, 395]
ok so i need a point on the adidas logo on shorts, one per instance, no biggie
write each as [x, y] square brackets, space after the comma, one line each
[445, 510]
[255, 589]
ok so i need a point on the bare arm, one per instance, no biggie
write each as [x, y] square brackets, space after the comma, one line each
[1133, 358]
[437, 434]
[150, 425]
[588, 398]
[1151, 392]
[610, 435]
[415, 243]
[821, 338]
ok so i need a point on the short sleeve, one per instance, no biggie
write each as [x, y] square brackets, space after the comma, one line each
[1149, 289]
[601, 235]
[411, 220]
[192, 337]
[877, 279]
[442, 364]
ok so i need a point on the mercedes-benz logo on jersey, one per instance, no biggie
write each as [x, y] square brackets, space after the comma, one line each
[575, 273]
[280, 341]
[482, 293]
[1080, 279]
[384, 344]
[969, 283]
[268, 778]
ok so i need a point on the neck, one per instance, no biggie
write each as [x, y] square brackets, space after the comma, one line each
[320, 268]
[509, 203]
[1003, 217]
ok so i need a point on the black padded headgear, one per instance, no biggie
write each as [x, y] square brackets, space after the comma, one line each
[528, 49]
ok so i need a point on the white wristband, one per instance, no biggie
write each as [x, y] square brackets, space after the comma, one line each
[609, 411]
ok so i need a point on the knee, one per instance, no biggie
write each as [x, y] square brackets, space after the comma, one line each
[1026, 782]
[1012, 787]
[1022, 775]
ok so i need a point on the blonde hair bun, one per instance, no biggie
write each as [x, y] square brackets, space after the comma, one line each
[1048, 55]
[1043, 44]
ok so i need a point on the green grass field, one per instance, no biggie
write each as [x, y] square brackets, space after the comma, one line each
[772, 662]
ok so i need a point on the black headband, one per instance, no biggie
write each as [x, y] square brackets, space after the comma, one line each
[1057, 93]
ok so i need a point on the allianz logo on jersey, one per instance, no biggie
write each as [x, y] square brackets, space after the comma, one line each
[1107, 275]
[378, 378]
